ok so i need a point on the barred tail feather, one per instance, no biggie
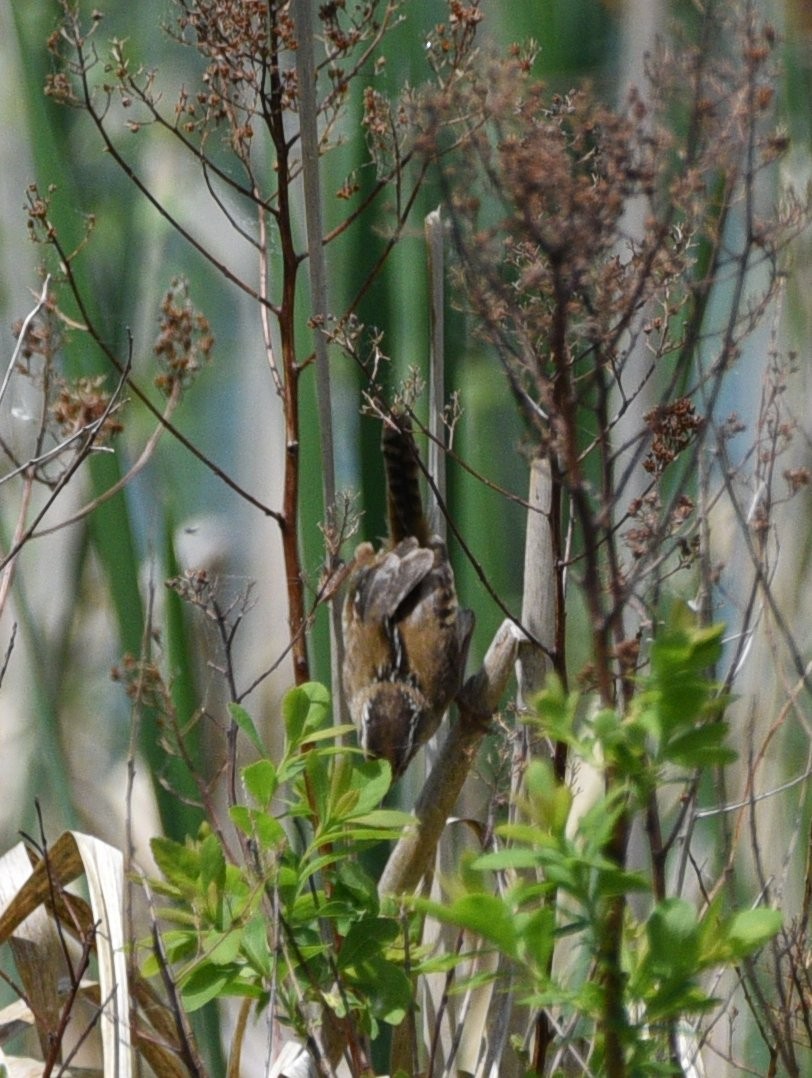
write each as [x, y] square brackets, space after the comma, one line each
[406, 516]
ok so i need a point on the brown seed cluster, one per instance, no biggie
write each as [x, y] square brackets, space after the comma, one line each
[81, 404]
[673, 427]
[185, 340]
[143, 683]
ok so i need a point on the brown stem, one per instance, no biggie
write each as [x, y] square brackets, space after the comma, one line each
[611, 917]
[275, 117]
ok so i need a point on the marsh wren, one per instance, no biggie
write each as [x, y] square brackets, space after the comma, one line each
[406, 640]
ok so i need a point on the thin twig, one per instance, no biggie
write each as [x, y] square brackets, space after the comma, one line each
[144, 459]
[32, 314]
[91, 434]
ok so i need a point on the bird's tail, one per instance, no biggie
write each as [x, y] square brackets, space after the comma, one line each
[406, 515]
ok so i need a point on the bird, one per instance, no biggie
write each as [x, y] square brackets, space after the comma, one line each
[406, 638]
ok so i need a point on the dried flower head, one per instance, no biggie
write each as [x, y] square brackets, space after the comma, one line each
[673, 427]
[84, 403]
[185, 339]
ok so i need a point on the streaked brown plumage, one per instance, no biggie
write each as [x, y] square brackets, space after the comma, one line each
[406, 639]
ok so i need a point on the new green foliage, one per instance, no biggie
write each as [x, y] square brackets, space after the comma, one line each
[551, 877]
[295, 913]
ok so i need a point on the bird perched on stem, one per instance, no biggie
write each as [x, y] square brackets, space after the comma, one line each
[406, 640]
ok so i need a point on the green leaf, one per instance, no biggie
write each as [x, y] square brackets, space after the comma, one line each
[596, 826]
[514, 857]
[222, 948]
[309, 907]
[367, 938]
[178, 946]
[243, 817]
[611, 880]
[556, 710]
[685, 644]
[368, 781]
[178, 863]
[261, 781]
[678, 688]
[440, 962]
[260, 825]
[537, 936]
[357, 833]
[550, 800]
[484, 915]
[673, 936]
[607, 725]
[311, 865]
[255, 945]
[291, 767]
[392, 819]
[329, 733]
[674, 999]
[525, 833]
[205, 983]
[391, 993]
[212, 862]
[176, 916]
[305, 709]
[712, 949]
[343, 806]
[319, 783]
[386, 986]
[622, 742]
[701, 746]
[356, 887]
[246, 724]
[751, 929]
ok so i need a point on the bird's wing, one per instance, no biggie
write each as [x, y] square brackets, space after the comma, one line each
[390, 578]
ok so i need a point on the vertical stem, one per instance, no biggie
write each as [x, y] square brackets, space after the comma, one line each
[539, 606]
[433, 225]
[611, 915]
[287, 332]
[540, 611]
[308, 121]
[567, 433]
